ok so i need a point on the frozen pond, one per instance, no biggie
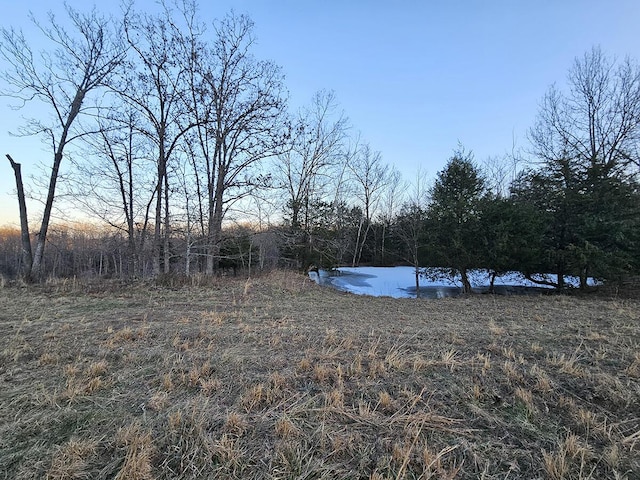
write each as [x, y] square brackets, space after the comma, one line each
[399, 282]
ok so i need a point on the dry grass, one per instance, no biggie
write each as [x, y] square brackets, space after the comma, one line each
[278, 378]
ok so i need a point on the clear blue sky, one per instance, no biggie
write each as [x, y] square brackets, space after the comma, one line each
[414, 77]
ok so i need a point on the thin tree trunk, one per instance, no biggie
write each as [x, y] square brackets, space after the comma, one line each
[466, 284]
[167, 227]
[382, 244]
[157, 238]
[357, 246]
[187, 267]
[363, 241]
[560, 278]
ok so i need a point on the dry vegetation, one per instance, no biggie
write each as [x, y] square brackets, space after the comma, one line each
[278, 378]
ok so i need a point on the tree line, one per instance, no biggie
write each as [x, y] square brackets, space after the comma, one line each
[181, 142]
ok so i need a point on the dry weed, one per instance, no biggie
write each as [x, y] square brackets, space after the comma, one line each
[138, 447]
[449, 359]
[48, 358]
[71, 461]
[286, 428]
[253, 397]
[495, 329]
[235, 424]
[158, 401]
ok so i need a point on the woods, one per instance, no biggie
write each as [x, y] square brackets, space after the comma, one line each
[180, 148]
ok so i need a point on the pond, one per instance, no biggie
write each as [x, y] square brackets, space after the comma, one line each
[399, 282]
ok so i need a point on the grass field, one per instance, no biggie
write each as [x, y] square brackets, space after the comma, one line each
[276, 377]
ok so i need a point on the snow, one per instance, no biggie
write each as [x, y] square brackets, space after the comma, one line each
[399, 282]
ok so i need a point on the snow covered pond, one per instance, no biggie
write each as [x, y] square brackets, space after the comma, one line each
[399, 282]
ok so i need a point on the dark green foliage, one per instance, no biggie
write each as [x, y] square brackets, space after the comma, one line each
[454, 217]
[511, 233]
[588, 222]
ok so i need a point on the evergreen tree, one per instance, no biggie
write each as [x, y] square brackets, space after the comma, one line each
[587, 141]
[454, 217]
[511, 233]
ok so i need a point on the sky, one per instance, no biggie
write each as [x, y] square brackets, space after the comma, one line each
[415, 78]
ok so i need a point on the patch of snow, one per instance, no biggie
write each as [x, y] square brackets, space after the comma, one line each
[399, 282]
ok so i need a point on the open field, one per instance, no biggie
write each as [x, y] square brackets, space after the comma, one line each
[276, 377]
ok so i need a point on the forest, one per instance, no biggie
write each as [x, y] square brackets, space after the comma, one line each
[178, 148]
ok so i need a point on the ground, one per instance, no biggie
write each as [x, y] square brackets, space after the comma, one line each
[276, 377]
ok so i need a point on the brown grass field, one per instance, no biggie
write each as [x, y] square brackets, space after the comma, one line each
[277, 378]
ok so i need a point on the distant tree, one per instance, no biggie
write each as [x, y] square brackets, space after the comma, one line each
[316, 146]
[369, 177]
[11, 255]
[500, 172]
[332, 233]
[112, 178]
[409, 227]
[303, 171]
[584, 231]
[454, 216]
[392, 199]
[80, 60]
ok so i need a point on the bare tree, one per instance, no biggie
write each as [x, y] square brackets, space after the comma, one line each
[311, 169]
[370, 176]
[156, 85]
[598, 121]
[410, 224]
[392, 198]
[112, 178]
[80, 60]
[241, 126]
[317, 145]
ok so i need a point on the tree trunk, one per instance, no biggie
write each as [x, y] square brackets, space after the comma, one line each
[27, 257]
[492, 281]
[157, 238]
[215, 238]
[560, 276]
[215, 221]
[356, 249]
[37, 268]
[187, 267]
[157, 232]
[466, 284]
[584, 272]
[167, 227]
[382, 244]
